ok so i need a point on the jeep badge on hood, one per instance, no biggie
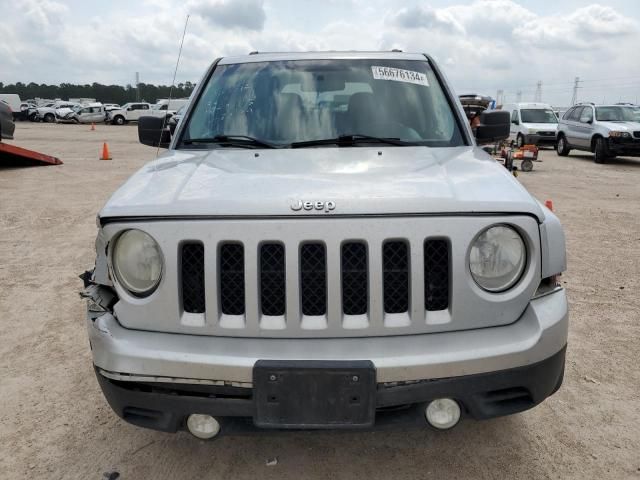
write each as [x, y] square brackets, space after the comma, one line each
[317, 205]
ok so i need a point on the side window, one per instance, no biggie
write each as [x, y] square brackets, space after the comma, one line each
[568, 114]
[587, 115]
[85, 110]
[575, 115]
[514, 116]
[144, 107]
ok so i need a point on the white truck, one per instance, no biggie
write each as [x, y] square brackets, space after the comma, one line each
[131, 112]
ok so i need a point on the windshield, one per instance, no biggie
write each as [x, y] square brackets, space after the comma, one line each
[299, 101]
[538, 115]
[616, 114]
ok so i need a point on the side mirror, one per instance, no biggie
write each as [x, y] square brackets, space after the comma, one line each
[151, 132]
[494, 126]
[515, 122]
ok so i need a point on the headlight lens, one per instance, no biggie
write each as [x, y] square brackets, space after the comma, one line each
[497, 258]
[137, 262]
[620, 134]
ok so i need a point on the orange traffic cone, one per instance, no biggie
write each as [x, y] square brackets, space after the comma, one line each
[549, 204]
[93, 126]
[105, 152]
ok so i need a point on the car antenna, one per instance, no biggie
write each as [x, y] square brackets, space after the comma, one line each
[173, 82]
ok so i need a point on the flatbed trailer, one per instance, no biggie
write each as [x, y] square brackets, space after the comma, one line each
[12, 155]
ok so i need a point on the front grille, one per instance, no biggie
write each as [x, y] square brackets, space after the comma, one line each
[546, 134]
[231, 264]
[313, 279]
[192, 274]
[436, 274]
[351, 265]
[636, 134]
[353, 260]
[395, 271]
[272, 279]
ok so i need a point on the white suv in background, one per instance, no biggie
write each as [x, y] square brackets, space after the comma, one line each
[532, 123]
[605, 130]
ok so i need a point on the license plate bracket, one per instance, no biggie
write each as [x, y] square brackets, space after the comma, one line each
[314, 394]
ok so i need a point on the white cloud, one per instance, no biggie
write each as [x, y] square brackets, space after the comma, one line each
[243, 14]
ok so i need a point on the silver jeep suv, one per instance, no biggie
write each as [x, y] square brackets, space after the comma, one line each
[323, 245]
[605, 130]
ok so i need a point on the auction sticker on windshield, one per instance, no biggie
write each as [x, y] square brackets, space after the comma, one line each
[399, 75]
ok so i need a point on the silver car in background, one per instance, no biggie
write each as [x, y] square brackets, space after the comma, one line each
[324, 245]
[7, 125]
[605, 130]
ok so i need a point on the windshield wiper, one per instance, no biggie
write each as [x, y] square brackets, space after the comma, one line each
[232, 140]
[350, 140]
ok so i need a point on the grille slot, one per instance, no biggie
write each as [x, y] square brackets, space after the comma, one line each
[395, 265]
[313, 279]
[354, 265]
[231, 264]
[436, 274]
[636, 134]
[272, 279]
[192, 275]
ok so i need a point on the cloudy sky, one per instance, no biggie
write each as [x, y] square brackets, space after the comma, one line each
[482, 45]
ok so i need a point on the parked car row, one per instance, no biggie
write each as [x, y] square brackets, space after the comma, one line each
[89, 112]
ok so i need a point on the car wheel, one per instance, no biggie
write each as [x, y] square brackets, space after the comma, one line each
[49, 118]
[520, 141]
[33, 117]
[600, 152]
[118, 120]
[526, 165]
[561, 147]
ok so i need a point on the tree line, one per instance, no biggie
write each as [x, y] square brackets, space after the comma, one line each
[102, 93]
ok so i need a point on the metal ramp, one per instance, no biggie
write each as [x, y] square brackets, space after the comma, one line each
[13, 156]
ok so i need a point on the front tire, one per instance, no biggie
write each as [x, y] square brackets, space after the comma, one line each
[600, 152]
[520, 141]
[562, 148]
[49, 118]
[118, 120]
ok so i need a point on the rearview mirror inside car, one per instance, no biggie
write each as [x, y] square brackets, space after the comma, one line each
[494, 126]
[152, 132]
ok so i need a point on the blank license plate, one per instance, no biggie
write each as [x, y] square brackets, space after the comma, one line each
[314, 394]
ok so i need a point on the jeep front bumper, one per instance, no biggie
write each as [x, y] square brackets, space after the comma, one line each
[155, 380]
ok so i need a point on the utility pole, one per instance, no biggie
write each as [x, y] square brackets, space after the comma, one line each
[499, 97]
[576, 86]
[137, 86]
[538, 96]
[519, 96]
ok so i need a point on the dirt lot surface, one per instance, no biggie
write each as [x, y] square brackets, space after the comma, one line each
[55, 424]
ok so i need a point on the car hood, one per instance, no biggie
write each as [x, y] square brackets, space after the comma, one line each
[549, 127]
[622, 126]
[359, 180]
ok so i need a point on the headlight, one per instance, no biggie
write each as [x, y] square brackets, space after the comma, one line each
[620, 134]
[137, 262]
[497, 258]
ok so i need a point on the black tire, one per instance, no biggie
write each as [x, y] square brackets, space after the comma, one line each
[33, 117]
[600, 152]
[520, 141]
[562, 148]
[118, 120]
[49, 118]
[526, 165]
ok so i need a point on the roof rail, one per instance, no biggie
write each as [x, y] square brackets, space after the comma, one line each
[396, 50]
[255, 52]
[585, 103]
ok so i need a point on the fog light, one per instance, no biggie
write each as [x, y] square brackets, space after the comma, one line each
[443, 413]
[203, 426]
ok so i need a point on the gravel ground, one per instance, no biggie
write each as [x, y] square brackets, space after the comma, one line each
[54, 422]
